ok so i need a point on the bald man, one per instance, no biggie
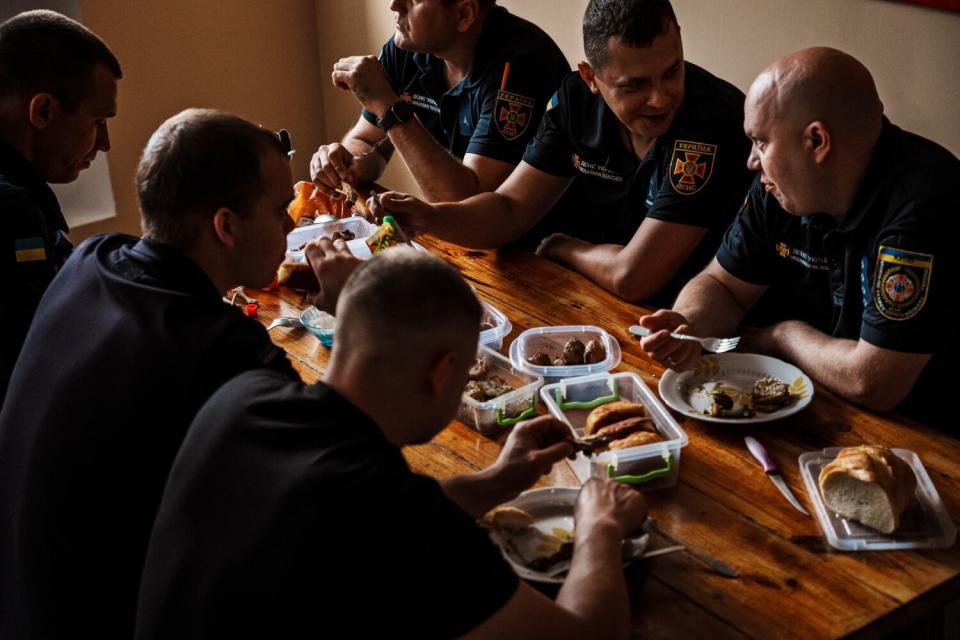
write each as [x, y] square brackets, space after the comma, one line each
[291, 512]
[846, 232]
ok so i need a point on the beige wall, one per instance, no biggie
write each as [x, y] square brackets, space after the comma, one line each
[256, 59]
[912, 51]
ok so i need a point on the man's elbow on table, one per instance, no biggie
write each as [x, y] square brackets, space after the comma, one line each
[882, 379]
[629, 284]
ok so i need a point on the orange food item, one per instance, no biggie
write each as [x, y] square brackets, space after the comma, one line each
[311, 202]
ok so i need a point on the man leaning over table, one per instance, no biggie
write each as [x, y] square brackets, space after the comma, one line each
[291, 512]
[58, 88]
[847, 230]
[635, 173]
[129, 341]
[458, 90]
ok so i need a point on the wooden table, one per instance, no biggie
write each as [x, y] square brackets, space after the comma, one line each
[791, 583]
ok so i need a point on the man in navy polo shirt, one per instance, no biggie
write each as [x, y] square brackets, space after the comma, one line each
[459, 91]
[636, 171]
[848, 230]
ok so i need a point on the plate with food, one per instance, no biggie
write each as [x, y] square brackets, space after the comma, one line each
[872, 498]
[737, 388]
[535, 534]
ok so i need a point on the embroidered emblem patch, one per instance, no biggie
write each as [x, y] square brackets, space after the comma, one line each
[783, 250]
[512, 114]
[692, 166]
[901, 282]
[29, 249]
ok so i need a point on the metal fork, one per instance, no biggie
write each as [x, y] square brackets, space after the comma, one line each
[284, 322]
[716, 345]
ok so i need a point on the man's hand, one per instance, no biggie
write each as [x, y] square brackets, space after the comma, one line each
[680, 355]
[606, 503]
[412, 214]
[332, 263]
[531, 451]
[365, 77]
[554, 246]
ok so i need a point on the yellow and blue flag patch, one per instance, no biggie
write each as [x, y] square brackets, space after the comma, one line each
[30, 249]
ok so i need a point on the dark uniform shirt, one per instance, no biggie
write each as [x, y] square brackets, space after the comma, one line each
[129, 341]
[32, 248]
[492, 112]
[289, 514]
[883, 274]
[695, 174]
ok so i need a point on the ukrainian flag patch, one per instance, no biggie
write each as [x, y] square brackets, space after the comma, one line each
[30, 249]
[554, 101]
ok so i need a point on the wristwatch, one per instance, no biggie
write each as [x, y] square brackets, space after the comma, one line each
[399, 111]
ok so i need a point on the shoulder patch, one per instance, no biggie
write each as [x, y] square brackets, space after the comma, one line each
[30, 249]
[554, 101]
[691, 166]
[512, 114]
[901, 282]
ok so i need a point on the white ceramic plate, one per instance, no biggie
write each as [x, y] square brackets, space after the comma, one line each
[689, 392]
[552, 508]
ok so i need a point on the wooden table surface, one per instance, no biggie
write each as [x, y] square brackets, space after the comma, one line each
[791, 584]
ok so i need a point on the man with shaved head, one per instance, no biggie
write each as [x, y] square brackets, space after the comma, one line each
[290, 511]
[845, 233]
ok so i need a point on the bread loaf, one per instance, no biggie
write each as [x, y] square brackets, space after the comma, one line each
[870, 485]
[636, 439]
[609, 413]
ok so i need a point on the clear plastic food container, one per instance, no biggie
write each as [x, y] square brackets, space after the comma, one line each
[356, 225]
[550, 341]
[924, 524]
[498, 326]
[505, 410]
[655, 465]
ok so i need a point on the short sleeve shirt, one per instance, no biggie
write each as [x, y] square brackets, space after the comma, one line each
[495, 110]
[32, 248]
[695, 174]
[128, 342]
[883, 274]
[289, 514]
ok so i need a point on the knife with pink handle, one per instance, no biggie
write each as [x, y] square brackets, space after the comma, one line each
[758, 451]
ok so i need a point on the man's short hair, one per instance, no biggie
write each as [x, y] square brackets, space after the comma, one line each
[46, 52]
[633, 22]
[402, 299]
[197, 162]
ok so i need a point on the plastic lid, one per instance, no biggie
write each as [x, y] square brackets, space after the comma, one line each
[924, 524]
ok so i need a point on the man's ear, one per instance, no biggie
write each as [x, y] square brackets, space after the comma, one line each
[467, 13]
[42, 109]
[441, 372]
[588, 76]
[818, 140]
[225, 226]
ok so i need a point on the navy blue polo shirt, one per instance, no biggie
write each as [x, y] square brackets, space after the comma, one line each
[495, 110]
[32, 247]
[288, 514]
[882, 274]
[128, 342]
[695, 174]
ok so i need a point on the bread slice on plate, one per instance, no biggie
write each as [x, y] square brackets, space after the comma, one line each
[868, 484]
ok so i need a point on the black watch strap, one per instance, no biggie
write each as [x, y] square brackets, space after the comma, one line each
[399, 111]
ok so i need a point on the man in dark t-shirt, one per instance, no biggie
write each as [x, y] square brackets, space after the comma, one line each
[846, 234]
[129, 341]
[291, 512]
[637, 169]
[458, 90]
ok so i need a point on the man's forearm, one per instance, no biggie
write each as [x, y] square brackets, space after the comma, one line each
[369, 163]
[440, 176]
[709, 307]
[595, 590]
[477, 493]
[485, 221]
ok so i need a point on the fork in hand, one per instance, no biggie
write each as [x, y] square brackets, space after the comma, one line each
[716, 345]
